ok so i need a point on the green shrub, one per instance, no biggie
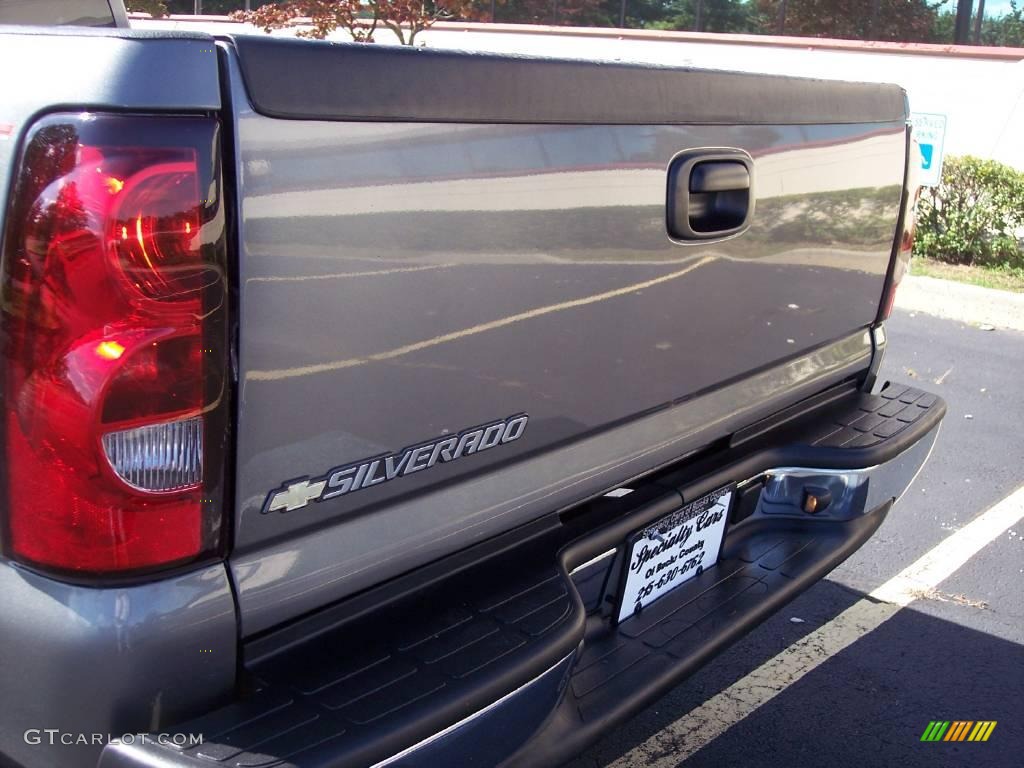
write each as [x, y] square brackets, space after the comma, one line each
[975, 216]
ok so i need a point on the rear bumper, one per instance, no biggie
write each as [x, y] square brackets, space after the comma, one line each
[513, 659]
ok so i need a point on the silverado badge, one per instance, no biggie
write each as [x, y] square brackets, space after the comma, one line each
[365, 473]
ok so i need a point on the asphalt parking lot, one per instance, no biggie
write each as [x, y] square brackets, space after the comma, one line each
[956, 653]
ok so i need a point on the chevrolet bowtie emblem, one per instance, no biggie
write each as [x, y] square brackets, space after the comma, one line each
[296, 496]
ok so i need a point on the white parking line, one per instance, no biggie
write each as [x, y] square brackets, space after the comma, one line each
[681, 739]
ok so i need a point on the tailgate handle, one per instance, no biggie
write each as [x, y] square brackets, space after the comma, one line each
[719, 176]
[710, 194]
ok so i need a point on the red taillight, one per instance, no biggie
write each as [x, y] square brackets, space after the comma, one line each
[899, 268]
[114, 334]
[901, 264]
[904, 246]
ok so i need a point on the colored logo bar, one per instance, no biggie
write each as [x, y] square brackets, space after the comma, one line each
[958, 730]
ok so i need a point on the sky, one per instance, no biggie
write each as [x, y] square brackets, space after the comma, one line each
[992, 7]
[997, 7]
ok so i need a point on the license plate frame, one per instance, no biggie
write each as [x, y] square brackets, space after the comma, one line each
[673, 556]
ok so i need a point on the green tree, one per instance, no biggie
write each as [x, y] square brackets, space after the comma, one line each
[735, 16]
[942, 30]
[974, 216]
[1006, 30]
[577, 13]
[155, 8]
[894, 20]
[211, 7]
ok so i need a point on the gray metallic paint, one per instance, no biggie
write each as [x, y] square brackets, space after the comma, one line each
[402, 281]
[296, 575]
[124, 659]
[76, 657]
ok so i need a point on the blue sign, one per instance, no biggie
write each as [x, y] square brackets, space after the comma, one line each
[927, 151]
[930, 137]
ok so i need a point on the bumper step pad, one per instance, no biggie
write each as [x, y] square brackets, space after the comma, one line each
[875, 418]
[433, 659]
[757, 574]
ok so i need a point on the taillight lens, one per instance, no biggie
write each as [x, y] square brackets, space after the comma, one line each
[114, 339]
[904, 250]
[904, 246]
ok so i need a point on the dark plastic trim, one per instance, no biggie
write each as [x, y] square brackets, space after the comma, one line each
[389, 83]
[681, 172]
[268, 644]
[795, 412]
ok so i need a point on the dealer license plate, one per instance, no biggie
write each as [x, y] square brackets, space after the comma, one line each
[673, 550]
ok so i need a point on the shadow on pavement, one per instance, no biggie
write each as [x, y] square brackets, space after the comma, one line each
[866, 706]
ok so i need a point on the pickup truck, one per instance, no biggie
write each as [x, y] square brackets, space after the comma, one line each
[373, 406]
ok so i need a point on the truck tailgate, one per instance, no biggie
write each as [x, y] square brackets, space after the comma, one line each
[434, 244]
